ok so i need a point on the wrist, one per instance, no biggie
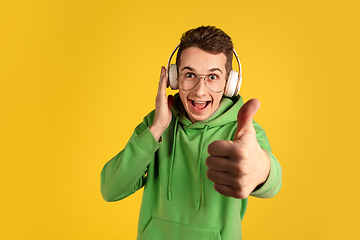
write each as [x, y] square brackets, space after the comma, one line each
[156, 130]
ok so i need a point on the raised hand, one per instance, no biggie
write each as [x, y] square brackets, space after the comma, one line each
[237, 167]
[162, 108]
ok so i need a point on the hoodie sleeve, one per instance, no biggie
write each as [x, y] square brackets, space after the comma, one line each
[124, 174]
[273, 184]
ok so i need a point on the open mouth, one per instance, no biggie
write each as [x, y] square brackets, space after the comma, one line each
[200, 104]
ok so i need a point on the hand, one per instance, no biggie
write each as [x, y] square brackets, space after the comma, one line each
[237, 167]
[162, 108]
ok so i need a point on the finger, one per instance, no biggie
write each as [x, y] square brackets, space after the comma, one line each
[219, 177]
[228, 191]
[163, 80]
[245, 117]
[220, 148]
[219, 164]
[225, 190]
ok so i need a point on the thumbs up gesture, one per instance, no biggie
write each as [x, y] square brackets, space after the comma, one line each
[237, 167]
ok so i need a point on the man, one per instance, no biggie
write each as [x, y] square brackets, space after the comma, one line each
[199, 154]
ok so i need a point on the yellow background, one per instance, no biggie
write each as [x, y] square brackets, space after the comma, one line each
[78, 76]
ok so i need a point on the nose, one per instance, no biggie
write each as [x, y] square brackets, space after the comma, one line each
[200, 88]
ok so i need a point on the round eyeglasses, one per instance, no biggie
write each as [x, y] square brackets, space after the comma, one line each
[214, 82]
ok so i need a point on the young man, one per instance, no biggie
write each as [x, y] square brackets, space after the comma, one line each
[199, 154]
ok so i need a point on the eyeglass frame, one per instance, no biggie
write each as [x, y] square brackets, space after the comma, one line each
[198, 80]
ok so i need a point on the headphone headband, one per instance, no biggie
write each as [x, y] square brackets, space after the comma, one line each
[168, 64]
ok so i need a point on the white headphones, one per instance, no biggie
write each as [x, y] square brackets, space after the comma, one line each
[232, 86]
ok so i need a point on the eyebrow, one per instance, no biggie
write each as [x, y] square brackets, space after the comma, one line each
[210, 70]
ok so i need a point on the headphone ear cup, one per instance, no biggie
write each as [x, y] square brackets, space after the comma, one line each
[172, 77]
[232, 86]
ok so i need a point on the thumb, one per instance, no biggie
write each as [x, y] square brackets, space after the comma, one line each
[170, 101]
[245, 117]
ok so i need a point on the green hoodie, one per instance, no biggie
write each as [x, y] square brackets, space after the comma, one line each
[179, 201]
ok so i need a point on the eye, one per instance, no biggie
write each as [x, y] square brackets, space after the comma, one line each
[190, 75]
[213, 77]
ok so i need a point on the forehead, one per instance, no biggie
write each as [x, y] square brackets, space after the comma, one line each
[201, 61]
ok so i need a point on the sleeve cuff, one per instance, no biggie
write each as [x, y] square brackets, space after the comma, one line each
[146, 144]
[273, 184]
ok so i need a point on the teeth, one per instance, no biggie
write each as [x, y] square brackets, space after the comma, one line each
[199, 102]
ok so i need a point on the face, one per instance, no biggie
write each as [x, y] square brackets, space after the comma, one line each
[200, 102]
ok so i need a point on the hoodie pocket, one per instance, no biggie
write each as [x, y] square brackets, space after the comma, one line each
[159, 229]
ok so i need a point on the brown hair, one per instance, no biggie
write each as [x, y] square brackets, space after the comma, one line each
[209, 39]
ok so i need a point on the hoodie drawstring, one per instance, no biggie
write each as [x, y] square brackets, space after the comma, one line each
[200, 187]
[172, 160]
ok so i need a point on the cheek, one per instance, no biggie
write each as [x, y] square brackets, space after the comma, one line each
[217, 98]
[183, 97]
